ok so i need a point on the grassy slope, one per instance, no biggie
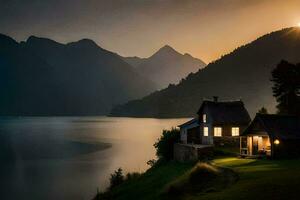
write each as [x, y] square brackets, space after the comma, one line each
[259, 179]
[152, 183]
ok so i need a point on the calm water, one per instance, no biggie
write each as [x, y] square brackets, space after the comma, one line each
[70, 157]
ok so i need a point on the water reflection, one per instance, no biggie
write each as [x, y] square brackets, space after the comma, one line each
[68, 158]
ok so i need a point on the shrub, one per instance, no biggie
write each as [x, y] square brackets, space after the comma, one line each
[203, 173]
[116, 178]
[151, 162]
[200, 177]
[165, 144]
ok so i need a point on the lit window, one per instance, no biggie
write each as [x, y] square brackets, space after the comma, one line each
[204, 118]
[217, 131]
[205, 131]
[235, 131]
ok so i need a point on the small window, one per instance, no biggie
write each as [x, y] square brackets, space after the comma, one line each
[204, 118]
[217, 131]
[235, 131]
[205, 131]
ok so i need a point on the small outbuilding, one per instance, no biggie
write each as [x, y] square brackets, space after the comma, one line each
[271, 136]
[190, 132]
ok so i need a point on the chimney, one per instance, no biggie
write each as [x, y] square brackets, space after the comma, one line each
[215, 98]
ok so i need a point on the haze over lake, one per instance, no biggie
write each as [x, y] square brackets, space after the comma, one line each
[69, 157]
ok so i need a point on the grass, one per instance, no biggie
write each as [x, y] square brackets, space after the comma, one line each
[260, 179]
[151, 184]
[202, 178]
[257, 179]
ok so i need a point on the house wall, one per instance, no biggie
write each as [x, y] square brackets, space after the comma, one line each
[183, 135]
[208, 140]
[184, 130]
[287, 149]
[193, 136]
[226, 129]
[226, 137]
[227, 141]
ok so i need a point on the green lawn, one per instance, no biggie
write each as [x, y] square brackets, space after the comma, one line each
[258, 180]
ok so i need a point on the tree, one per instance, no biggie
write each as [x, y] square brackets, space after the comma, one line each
[263, 110]
[116, 178]
[165, 145]
[286, 88]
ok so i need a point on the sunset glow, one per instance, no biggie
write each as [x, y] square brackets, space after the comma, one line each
[205, 29]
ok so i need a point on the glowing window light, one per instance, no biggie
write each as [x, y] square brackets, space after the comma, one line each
[204, 118]
[218, 131]
[276, 142]
[205, 131]
[235, 131]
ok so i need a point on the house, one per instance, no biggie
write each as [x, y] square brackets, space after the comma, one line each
[271, 135]
[216, 119]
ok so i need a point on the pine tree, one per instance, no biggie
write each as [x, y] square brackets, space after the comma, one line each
[263, 110]
[286, 88]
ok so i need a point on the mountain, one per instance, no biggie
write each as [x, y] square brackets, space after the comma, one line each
[134, 61]
[244, 73]
[44, 77]
[166, 66]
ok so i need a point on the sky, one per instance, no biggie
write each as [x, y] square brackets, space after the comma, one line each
[206, 29]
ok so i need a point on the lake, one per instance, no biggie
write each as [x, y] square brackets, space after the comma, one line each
[70, 157]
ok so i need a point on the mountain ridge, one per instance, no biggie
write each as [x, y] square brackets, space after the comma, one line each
[243, 73]
[44, 77]
[166, 66]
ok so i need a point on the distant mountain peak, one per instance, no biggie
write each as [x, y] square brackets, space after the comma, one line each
[168, 66]
[6, 39]
[88, 79]
[167, 47]
[187, 55]
[243, 73]
[85, 43]
[166, 50]
[40, 40]
[33, 38]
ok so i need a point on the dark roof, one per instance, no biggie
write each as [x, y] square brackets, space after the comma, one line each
[192, 121]
[277, 126]
[227, 112]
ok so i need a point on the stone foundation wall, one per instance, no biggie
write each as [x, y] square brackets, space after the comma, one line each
[184, 152]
